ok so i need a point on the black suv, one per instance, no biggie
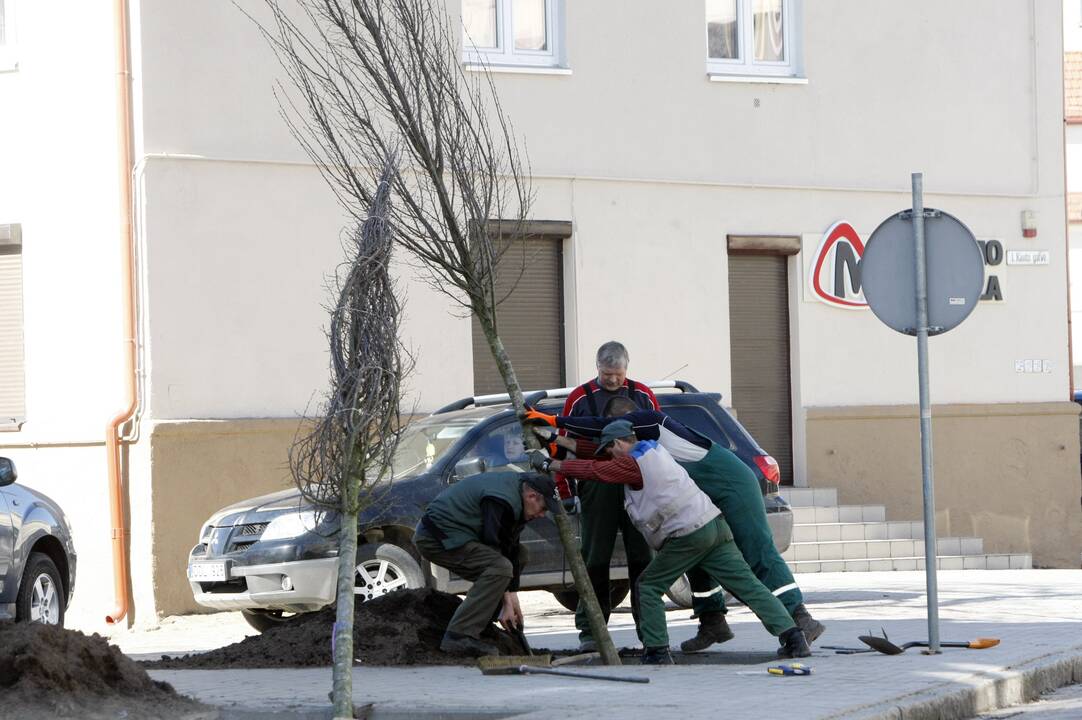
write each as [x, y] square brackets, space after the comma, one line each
[273, 556]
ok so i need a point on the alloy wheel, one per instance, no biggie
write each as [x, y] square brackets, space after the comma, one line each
[377, 577]
[44, 601]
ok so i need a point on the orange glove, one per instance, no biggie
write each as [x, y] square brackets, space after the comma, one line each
[536, 417]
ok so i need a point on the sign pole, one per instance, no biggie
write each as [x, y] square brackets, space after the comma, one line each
[927, 475]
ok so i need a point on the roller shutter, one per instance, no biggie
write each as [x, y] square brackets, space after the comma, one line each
[759, 344]
[531, 318]
[12, 401]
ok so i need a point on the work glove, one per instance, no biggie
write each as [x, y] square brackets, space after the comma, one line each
[544, 433]
[539, 460]
[536, 417]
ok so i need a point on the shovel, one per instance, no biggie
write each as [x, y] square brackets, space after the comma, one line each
[885, 646]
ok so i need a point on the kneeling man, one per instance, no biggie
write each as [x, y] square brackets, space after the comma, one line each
[686, 529]
[472, 529]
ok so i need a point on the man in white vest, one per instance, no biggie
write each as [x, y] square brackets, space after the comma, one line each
[680, 522]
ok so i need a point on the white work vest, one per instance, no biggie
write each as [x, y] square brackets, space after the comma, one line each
[669, 503]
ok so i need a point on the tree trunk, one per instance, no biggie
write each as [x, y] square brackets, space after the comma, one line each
[585, 588]
[342, 680]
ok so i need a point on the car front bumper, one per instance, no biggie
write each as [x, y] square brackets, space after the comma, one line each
[311, 583]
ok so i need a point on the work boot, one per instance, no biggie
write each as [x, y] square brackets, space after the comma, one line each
[459, 644]
[712, 629]
[793, 644]
[657, 656]
[812, 628]
[587, 645]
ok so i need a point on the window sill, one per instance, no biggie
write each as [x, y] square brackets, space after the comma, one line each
[761, 79]
[517, 69]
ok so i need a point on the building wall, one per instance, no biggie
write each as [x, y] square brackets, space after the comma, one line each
[653, 164]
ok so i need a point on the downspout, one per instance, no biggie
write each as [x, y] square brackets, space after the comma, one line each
[117, 491]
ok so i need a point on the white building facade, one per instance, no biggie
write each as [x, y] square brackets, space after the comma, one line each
[698, 154]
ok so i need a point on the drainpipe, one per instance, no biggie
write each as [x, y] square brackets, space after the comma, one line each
[117, 491]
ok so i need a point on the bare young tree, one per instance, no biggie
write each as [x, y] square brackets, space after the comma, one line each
[346, 456]
[365, 76]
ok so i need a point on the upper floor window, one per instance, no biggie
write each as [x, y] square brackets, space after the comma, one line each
[752, 37]
[512, 32]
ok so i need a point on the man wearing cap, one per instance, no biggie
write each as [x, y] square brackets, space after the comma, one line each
[732, 487]
[472, 528]
[680, 522]
[603, 513]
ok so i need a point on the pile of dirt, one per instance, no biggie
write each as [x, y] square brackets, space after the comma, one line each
[403, 628]
[47, 671]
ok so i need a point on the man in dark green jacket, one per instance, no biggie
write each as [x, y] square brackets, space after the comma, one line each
[472, 528]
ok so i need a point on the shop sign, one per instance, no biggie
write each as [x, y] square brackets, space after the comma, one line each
[834, 270]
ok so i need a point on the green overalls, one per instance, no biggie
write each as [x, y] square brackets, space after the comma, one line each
[734, 489]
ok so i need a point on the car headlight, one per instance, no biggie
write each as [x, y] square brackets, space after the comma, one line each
[290, 525]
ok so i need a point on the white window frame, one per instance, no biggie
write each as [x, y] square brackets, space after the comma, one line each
[505, 54]
[746, 65]
[9, 49]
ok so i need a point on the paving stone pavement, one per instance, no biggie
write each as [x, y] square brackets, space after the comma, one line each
[1035, 613]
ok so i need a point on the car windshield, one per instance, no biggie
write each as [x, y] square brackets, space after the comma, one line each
[425, 441]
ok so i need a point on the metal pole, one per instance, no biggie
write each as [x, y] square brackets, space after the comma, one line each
[925, 417]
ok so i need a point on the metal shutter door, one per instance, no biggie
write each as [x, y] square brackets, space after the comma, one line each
[531, 319]
[759, 345]
[12, 403]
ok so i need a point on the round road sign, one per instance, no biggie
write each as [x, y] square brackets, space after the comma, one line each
[955, 272]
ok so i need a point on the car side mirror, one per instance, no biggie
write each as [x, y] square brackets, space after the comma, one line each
[467, 467]
[8, 474]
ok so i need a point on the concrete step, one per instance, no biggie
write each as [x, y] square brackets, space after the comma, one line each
[835, 550]
[823, 532]
[1003, 561]
[810, 497]
[839, 514]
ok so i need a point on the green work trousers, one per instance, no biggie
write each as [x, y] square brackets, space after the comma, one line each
[734, 489]
[712, 550]
[484, 566]
[603, 515]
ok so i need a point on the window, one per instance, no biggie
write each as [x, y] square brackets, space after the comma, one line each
[7, 35]
[512, 32]
[752, 37]
[12, 402]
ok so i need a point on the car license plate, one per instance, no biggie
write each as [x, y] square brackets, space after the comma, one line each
[208, 571]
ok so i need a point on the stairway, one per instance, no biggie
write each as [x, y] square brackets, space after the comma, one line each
[828, 537]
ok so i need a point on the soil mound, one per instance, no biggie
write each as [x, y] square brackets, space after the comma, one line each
[403, 628]
[47, 671]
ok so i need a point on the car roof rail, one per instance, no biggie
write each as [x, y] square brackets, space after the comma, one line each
[535, 396]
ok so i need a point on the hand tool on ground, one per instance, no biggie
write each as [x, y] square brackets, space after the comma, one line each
[789, 669]
[520, 633]
[530, 670]
[885, 646]
[540, 664]
[575, 659]
[510, 664]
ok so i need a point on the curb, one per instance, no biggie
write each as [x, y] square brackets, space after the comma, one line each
[984, 692]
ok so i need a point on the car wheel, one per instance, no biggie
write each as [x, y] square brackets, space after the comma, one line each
[680, 592]
[618, 590]
[263, 620]
[41, 594]
[384, 568]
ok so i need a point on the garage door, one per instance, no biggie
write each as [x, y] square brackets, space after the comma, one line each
[759, 342]
[531, 318]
